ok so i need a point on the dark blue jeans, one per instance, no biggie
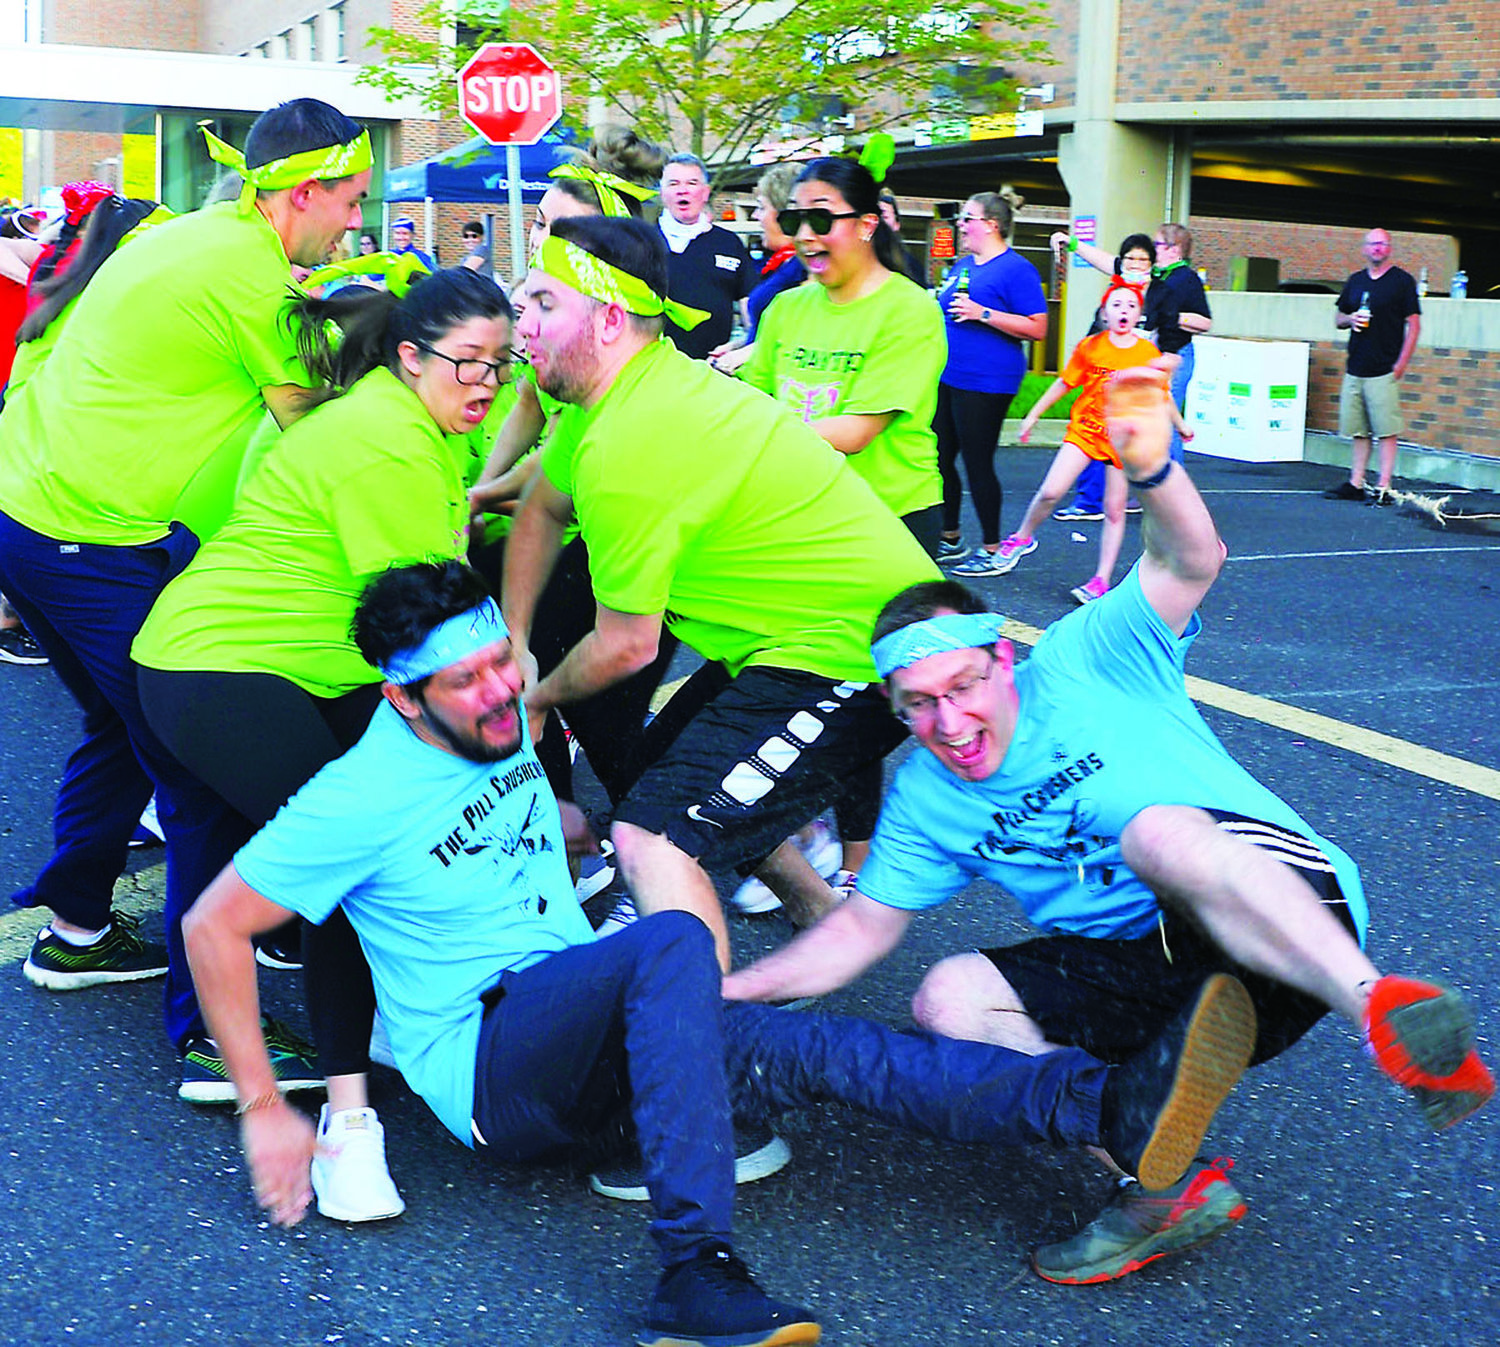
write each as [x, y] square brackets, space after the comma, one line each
[1089, 492]
[1182, 376]
[84, 603]
[632, 1029]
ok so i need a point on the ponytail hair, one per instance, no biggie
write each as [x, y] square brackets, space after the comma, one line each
[354, 330]
[102, 228]
[855, 183]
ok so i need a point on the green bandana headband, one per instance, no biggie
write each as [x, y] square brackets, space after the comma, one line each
[325, 164]
[399, 269]
[593, 276]
[609, 187]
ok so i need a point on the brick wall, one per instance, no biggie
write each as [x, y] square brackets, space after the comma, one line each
[1270, 49]
[1062, 41]
[1313, 252]
[82, 154]
[1450, 398]
[154, 25]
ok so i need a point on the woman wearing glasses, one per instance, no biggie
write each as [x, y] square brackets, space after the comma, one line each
[857, 356]
[992, 302]
[247, 669]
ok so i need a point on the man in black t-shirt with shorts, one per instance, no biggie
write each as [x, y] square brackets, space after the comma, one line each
[1380, 309]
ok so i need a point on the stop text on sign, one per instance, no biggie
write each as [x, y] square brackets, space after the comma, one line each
[508, 93]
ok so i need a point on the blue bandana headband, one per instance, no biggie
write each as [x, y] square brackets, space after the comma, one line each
[906, 645]
[447, 644]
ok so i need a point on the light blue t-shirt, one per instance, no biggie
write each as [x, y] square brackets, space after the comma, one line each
[1105, 729]
[451, 871]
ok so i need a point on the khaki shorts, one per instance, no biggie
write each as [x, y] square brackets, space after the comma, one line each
[1370, 408]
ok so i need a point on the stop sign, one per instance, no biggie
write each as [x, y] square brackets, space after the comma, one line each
[509, 94]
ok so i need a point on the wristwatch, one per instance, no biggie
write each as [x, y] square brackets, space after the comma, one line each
[984, 316]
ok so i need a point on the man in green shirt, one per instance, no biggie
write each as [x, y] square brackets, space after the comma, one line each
[709, 508]
[172, 357]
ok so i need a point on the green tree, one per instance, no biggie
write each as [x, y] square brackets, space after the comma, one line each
[719, 75]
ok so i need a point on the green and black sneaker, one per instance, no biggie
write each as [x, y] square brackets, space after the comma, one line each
[119, 955]
[205, 1078]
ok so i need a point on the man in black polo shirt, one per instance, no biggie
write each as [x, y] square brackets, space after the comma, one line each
[1379, 307]
[709, 268]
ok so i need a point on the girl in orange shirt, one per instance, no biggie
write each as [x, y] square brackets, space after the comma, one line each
[1093, 363]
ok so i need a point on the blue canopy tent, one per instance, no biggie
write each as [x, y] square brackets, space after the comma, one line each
[474, 172]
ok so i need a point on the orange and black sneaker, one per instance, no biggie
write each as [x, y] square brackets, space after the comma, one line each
[1422, 1036]
[1138, 1227]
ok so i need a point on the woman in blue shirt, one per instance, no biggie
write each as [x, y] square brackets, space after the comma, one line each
[993, 302]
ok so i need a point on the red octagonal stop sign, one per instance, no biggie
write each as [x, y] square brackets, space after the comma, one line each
[509, 94]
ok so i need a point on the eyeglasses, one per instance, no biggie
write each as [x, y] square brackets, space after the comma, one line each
[470, 371]
[817, 218]
[971, 219]
[962, 696]
[1162, 243]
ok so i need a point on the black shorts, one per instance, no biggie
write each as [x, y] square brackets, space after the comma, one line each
[738, 764]
[1113, 997]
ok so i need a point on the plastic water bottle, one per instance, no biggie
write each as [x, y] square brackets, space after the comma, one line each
[1458, 287]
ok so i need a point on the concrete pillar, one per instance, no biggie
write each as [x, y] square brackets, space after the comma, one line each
[1129, 179]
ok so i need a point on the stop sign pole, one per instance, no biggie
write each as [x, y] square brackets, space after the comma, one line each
[510, 95]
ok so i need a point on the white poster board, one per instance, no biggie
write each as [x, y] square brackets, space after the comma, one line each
[1248, 399]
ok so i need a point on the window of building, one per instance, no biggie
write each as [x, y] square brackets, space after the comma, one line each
[310, 39]
[336, 50]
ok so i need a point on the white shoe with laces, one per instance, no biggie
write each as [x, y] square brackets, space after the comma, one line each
[822, 851]
[349, 1173]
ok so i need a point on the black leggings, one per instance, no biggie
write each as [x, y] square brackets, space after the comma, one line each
[968, 424]
[608, 724]
[256, 739]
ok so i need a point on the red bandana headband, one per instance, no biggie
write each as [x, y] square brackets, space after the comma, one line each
[1120, 283]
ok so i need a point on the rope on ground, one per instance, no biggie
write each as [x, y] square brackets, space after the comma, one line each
[1437, 509]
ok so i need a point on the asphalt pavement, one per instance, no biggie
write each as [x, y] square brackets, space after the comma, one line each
[127, 1218]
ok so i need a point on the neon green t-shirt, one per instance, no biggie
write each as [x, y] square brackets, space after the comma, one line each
[882, 353]
[362, 483]
[158, 370]
[707, 501]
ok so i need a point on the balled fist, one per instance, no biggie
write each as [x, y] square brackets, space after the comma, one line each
[1136, 403]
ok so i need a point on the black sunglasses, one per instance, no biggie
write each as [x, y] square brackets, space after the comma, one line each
[817, 218]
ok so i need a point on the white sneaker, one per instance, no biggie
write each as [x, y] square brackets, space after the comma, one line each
[822, 851]
[595, 874]
[348, 1171]
[621, 915]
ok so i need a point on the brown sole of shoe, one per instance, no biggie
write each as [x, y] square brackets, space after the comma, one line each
[804, 1334]
[1216, 1050]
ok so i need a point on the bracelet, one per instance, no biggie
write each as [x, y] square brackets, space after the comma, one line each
[1155, 480]
[267, 1100]
[1072, 244]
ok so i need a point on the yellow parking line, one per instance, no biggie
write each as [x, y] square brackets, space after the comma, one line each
[1370, 744]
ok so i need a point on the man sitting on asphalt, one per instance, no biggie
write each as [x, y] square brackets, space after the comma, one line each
[530, 1038]
[1086, 784]
[710, 508]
